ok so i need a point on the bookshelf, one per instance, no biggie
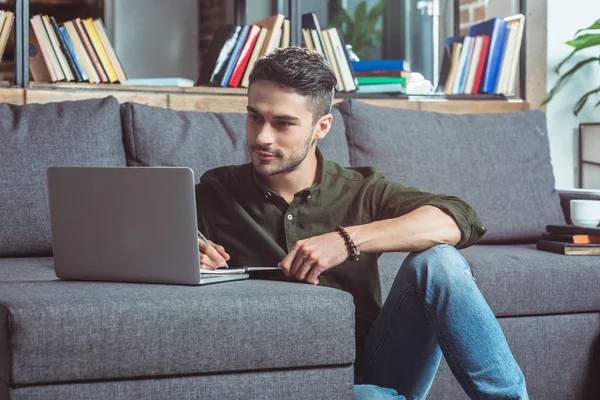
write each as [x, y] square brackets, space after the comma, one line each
[198, 98]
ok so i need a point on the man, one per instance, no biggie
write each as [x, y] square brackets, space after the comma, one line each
[327, 225]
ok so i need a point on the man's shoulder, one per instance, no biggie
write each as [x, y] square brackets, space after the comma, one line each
[358, 174]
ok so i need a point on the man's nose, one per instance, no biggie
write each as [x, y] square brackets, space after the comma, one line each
[265, 135]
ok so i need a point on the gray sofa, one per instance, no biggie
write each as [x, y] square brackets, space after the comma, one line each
[275, 340]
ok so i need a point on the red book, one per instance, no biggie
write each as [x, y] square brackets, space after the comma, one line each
[485, 45]
[242, 61]
[90, 49]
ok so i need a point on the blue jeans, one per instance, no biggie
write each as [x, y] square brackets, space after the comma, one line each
[435, 308]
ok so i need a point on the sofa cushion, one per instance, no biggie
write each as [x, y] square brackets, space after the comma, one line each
[72, 331]
[36, 136]
[498, 163]
[518, 280]
[201, 140]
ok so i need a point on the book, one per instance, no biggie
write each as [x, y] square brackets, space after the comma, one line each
[65, 50]
[90, 29]
[218, 54]
[504, 70]
[495, 28]
[86, 61]
[382, 88]
[462, 65]
[334, 62]
[110, 51]
[235, 54]
[519, 20]
[260, 41]
[343, 59]
[485, 43]
[311, 22]
[55, 70]
[60, 55]
[89, 49]
[73, 54]
[6, 24]
[374, 80]
[456, 52]
[39, 65]
[274, 24]
[286, 36]
[383, 72]
[473, 64]
[244, 57]
[578, 239]
[370, 65]
[235, 271]
[569, 249]
[572, 230]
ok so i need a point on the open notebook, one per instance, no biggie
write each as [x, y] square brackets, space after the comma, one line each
[234, 271]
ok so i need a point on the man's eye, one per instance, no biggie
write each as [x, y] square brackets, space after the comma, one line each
[253, 117]
[284, 124]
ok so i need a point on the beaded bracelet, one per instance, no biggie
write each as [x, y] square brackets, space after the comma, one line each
[352, 249]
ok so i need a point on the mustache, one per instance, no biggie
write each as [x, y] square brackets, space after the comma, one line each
[266, 149]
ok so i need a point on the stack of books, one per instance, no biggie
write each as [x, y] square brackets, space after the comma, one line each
[76, 51]
[570, 240]
[485, 61]
[235, 48]
[7, 19]
[381, 76]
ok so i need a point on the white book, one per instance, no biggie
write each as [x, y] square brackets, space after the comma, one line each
[506, 62]
[62, 59]
[340, 56]
[462, 62]
[473, 64]
[44, 41]
[82, 52]
[512, 76]
[260, 41]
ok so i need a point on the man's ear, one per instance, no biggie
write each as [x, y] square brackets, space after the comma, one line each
[323, 126]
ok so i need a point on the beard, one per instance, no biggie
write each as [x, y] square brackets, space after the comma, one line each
[280, 163]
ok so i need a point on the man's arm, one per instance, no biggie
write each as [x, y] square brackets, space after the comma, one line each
[420, 229]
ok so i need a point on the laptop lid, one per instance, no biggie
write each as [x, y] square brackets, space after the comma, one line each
[127, 224]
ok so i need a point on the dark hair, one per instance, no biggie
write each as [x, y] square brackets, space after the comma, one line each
[303, 70]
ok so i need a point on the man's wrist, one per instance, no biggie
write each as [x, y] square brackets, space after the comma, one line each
[353, 252]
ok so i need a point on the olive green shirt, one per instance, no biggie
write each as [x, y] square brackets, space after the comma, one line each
[258, 227]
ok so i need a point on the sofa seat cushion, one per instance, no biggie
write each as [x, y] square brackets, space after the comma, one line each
[518, 280]
[66, 331]
[498, 163]
[36, 136]
[155, 136]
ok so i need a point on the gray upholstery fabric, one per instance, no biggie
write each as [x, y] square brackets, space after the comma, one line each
[36, 136]
[301, 384]
[72, 331]
[520, 280]
[498, 163]
[155, 136]
[552, 351]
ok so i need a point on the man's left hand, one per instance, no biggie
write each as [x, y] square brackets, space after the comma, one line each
[310, 257]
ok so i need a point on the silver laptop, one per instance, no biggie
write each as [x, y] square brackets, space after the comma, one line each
[126, 224]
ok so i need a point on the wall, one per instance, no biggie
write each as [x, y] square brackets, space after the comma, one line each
[564, 18]
[156, 38]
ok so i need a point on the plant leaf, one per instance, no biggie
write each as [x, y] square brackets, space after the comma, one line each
[597, 104]
[585, 41]
[595, 25]
[563, 79]
[581, 102]
[360, 13]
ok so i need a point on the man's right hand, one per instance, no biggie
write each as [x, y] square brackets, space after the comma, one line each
[211, 258]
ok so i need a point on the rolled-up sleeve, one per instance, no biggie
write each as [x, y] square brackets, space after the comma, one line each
[389, 199]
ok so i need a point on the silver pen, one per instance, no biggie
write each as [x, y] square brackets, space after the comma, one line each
[201, 236]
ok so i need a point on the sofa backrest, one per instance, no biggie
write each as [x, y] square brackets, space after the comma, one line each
[156, 136]
[498, 163]
[36, 136]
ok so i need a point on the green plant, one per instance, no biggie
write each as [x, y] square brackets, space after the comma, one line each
[583, 39]
[360, 30]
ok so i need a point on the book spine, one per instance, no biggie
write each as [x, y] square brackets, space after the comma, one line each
[235, 54]
[90, 50]
[65, 50]
[43, 45]
[62, 60]
[244, 57]
[88, 24]
[110, 51]
[71, 48]
[81, 52]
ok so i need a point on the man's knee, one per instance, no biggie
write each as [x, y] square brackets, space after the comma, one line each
[438, 265]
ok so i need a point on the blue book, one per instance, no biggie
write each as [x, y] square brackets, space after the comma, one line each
[461, 77]
[495, 28]
[378, 65]
[235, 54]
[71, 49]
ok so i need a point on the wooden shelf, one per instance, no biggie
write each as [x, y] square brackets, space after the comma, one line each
[214, 99]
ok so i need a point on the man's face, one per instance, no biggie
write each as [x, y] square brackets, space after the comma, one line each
[279, 128]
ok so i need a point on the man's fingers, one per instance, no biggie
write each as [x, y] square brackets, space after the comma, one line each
[206, 262]
[304, 269]
[221, 250]
[286, 263]
[313, 275]
[213, 254]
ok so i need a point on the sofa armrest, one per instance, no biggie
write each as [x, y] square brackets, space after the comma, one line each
[566, 195]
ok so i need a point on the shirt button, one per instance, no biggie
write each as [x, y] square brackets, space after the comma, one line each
[289, 217]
